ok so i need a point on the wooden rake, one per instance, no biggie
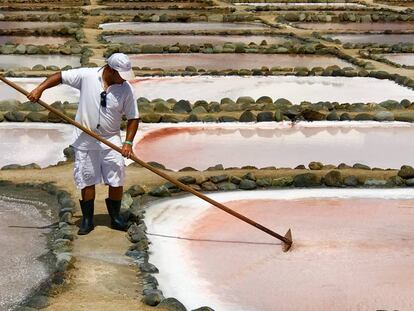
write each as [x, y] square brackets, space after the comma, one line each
[286, 239]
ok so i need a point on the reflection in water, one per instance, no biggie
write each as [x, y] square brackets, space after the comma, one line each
[353, 250]
[277, 145]
[295, 89]
[375, 38]
[233, 61]
[42, 144]
[141, 26]
[17, 61]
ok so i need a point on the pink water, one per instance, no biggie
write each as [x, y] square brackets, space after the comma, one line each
[379, 26]
[349, 255]
[279, 145]
[232, 61]
[353, 250]
[189, 39]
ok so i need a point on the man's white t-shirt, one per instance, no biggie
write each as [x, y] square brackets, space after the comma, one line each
[120, 100]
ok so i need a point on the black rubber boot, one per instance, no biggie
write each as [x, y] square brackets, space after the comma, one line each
[87, 208]
[113, 210]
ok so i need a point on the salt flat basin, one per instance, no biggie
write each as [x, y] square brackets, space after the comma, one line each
[33, 40]
[61, 92]
[276, 144]
[353, 250]
[374, 38]
[378, 26]
[295, 89]
[18, 61]
[401, 58]
[299, 4]
[232, 61]
[192, 39]
[34, 25]
[142, 26]
[22, 241]
[25, 143]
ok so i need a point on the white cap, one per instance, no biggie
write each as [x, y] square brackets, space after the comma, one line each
[121, 63]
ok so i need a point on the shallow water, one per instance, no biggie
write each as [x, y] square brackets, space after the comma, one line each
[188, 39]
[22, 241]
[59, 93]
[401, 58]
[232, 61]
[17, 61]
[353, 250]
[277, 144]
[379, 26]
[375, 38]
[299, 4]
[33, 40]
[33, 143]
[33, 25]
[295, 89]
[139, 26]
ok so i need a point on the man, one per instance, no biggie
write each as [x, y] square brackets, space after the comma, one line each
[105, 95]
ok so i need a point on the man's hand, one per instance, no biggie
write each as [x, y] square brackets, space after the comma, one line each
[127, 150]
[34, 95]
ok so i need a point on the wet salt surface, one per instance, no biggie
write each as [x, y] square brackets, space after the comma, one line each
[18, 61]
[276, 144]
[33, 143]
[33, 40]
[295, 89]
[142, 26]
[401, 58]
[232, 61]
[379, 26]
[188, 39]
[33, 25]
[353, 250]
[374, 38]
[23, 241]
[59, 93]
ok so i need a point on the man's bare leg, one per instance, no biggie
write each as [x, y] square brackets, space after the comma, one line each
[115, 193]
[113, 204]
[88, 193]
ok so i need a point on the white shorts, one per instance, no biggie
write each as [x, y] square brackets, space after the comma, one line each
[94, 166]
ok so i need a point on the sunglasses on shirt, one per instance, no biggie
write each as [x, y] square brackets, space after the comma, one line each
[103, 99]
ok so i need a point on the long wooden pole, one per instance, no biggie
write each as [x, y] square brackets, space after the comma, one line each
[286, 239]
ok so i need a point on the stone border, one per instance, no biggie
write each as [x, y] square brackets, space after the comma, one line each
[59, 244]
[64, 31]
[52, 17]
[135, 201]
[244, 109]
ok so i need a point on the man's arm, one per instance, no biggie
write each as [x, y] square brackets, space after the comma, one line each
[52, 81]
[132, 128]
